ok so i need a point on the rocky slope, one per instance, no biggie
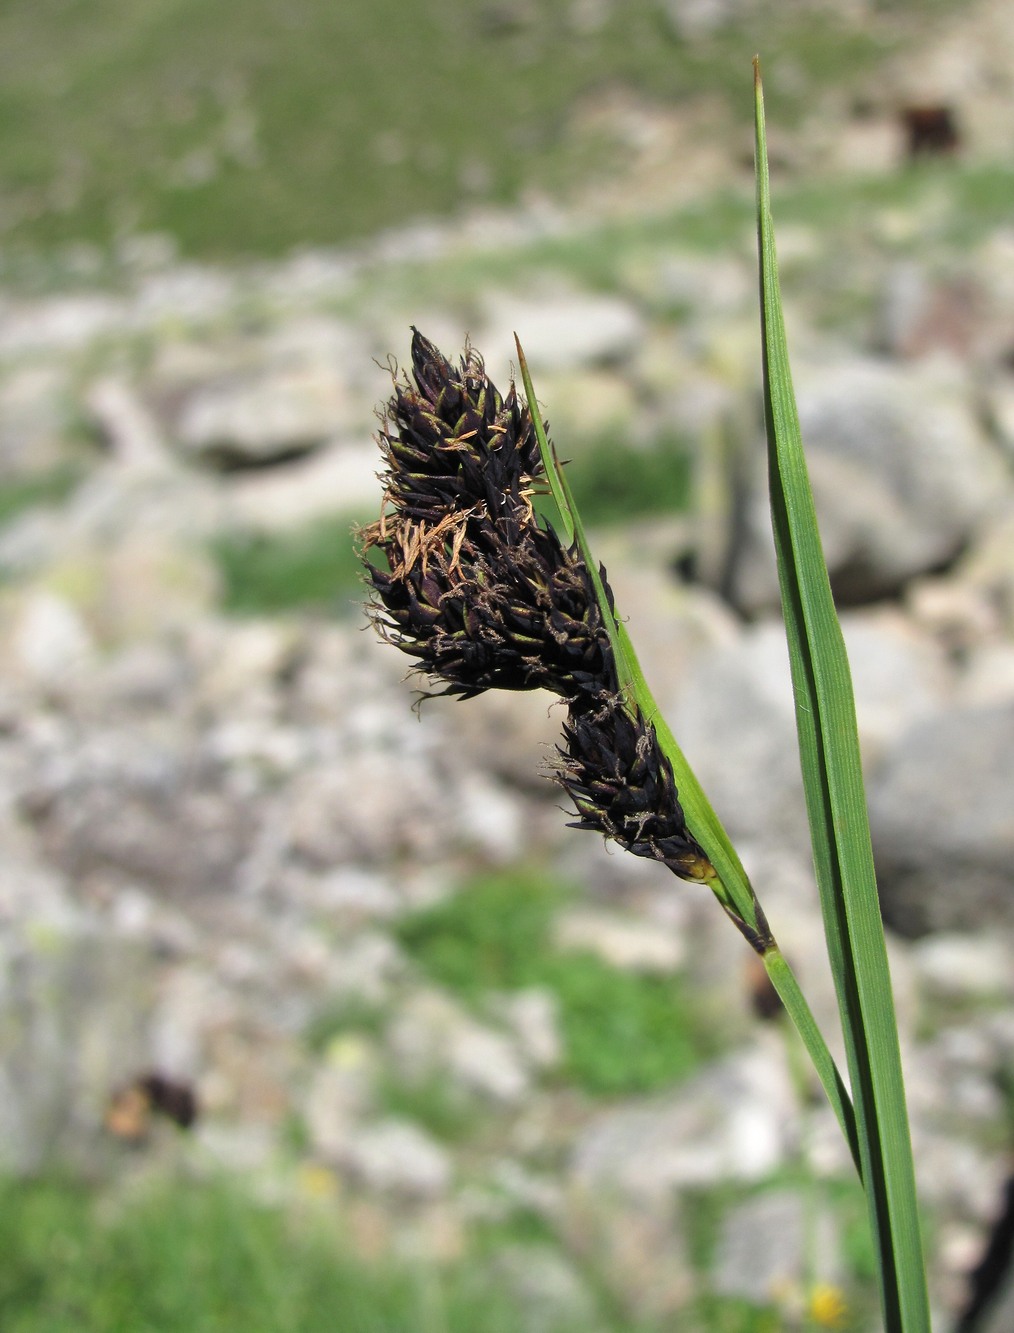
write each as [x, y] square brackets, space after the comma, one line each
[216, 827]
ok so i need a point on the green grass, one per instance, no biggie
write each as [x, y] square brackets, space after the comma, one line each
[435, 1102]
[492, 935]
[188, 1257]
[201, 1257]
[22, 493]
[246, 128]
[613, 482]
[341, 1017]
[622, 1032]
[314, 566]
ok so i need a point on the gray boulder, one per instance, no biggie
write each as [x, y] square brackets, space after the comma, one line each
[775, 1241]
[253, 402]
[734, 720]
[395, 1157]
[902, 474]
[256, 420]
[734, 1121]
[943, 823]
[560, 330]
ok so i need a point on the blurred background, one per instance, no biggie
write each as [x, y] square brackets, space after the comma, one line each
[313, 1011]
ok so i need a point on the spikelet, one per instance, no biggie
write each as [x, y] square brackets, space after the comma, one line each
[481, 595]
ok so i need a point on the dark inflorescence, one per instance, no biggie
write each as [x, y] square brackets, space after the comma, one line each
[622, 784]
[481, 595]
[475, 590]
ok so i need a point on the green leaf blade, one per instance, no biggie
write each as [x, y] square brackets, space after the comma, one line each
[836, 805]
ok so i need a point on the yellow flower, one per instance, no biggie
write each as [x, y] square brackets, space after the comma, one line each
[317, 1182]
[828, 1307]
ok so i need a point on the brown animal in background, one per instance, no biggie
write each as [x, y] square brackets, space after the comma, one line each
[931, 131]
[130, 1109]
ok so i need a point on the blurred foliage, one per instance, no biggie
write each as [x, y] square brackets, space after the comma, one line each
[623, 1032]
[492, 935]
[202, 1258]
[435, 1102]
[312, 566]
[249, 127]
[613, 482]
[18, 494]
[339, 1017]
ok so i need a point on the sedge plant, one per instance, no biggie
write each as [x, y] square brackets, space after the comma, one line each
[483, 593]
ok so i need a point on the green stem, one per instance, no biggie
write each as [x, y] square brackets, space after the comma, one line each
[784, 981]
[730, 884]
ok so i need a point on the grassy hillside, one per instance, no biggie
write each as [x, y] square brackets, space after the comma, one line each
[247, 127]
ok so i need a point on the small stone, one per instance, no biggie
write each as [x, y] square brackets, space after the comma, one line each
[532, 1016]
[396, 1157]
[559, 331]
[965, 967]
[775, 1243]
[734, 1121]
[245, 658]
[363, 971]
[350, 893]
[51, 641]
[274, 416]
[490, 819]
[625, 942]
[430, 1032]
[339, 1094]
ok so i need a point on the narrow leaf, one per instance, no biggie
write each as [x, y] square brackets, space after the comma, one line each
[836, 805]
